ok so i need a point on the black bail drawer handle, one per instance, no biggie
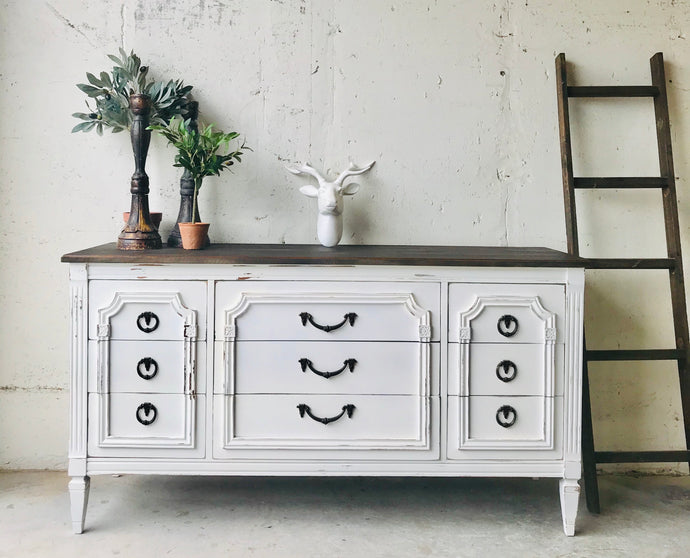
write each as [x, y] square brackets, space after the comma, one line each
[506, 416]
[506, 371]
[507, 325]
[147, 368]
[148, 322]
[306, 363]
[347, 409]
[307, 317]
[149, 415]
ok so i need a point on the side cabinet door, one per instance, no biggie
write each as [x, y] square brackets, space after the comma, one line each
[146, 367]
[505, 371]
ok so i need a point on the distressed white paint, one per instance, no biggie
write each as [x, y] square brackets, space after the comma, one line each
[375, 433]
[454, 99]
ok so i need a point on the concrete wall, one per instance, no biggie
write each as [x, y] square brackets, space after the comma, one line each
[455, 100]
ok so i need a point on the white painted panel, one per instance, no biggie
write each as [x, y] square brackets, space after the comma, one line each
[177, 430]
[124, 361]
[484, 327]
[150, 297]
[386, 311]
[533, 436]
[484, 359]
[380, 368]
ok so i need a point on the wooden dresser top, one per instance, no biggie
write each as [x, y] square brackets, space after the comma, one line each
[310, 254]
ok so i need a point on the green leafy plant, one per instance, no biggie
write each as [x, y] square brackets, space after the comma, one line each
[198, 151]
[110, 94]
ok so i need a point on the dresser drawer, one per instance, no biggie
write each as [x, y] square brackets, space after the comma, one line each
[145, 367]
[147, 310]
[351, 421]
[506, 313]
[399, 368]
[351, 311]
[503, 427]
[505, 369]
[146, 424]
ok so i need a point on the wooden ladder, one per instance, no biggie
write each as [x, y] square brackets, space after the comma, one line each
[673, 263]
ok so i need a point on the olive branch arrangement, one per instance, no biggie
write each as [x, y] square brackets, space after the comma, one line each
[111, 91]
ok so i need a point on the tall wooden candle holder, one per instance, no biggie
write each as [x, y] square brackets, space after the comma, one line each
[139, 233]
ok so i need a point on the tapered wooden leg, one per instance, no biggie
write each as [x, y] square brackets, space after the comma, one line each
[79, 499]
[570, 496]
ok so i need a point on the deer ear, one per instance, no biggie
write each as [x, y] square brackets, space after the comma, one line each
[350, 189]
[310, 191]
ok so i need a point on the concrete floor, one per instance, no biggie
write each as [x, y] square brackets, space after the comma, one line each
[333, 517]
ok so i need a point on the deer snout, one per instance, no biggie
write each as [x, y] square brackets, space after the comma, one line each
[330, 203]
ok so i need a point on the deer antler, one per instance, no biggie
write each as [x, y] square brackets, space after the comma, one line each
[352, 170]
[306, 168]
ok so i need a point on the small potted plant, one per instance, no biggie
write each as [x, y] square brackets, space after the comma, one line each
[200, 151]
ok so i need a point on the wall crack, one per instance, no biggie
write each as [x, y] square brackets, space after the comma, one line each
[67, 22]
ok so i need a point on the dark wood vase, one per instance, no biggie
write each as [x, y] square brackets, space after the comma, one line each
[186, 187]
[139, 233]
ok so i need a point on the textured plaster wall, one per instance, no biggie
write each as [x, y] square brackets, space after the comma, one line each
[455, 100]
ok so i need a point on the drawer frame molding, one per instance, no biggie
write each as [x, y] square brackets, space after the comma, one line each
[544, 441]
[189, 337]
[422, 440]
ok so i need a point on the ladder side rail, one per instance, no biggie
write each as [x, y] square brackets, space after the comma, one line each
[566, 156]
[671, 219]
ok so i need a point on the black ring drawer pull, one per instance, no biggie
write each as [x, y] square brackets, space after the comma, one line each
[507, 325]
[148, 322]
[307, 317]
[349, 409]
[506, 416]
[149, 411]
[506, 371]
[147, 368]
[306, 363]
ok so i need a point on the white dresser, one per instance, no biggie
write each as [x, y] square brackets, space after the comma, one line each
[305, 360]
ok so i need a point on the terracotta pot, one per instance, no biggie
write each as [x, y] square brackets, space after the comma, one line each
[194, 235]
[156, 218]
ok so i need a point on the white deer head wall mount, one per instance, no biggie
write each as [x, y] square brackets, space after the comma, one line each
[329, 222]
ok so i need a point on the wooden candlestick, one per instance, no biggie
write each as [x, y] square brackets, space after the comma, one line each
[139, 233]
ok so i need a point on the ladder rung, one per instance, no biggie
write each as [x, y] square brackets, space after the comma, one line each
[667, 456]
[613, 91]
[630, 263]
[635, 354]
[621, 182]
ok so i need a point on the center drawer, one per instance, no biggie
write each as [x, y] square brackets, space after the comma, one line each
[398, 368]
[318, 311]
[326, 424]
